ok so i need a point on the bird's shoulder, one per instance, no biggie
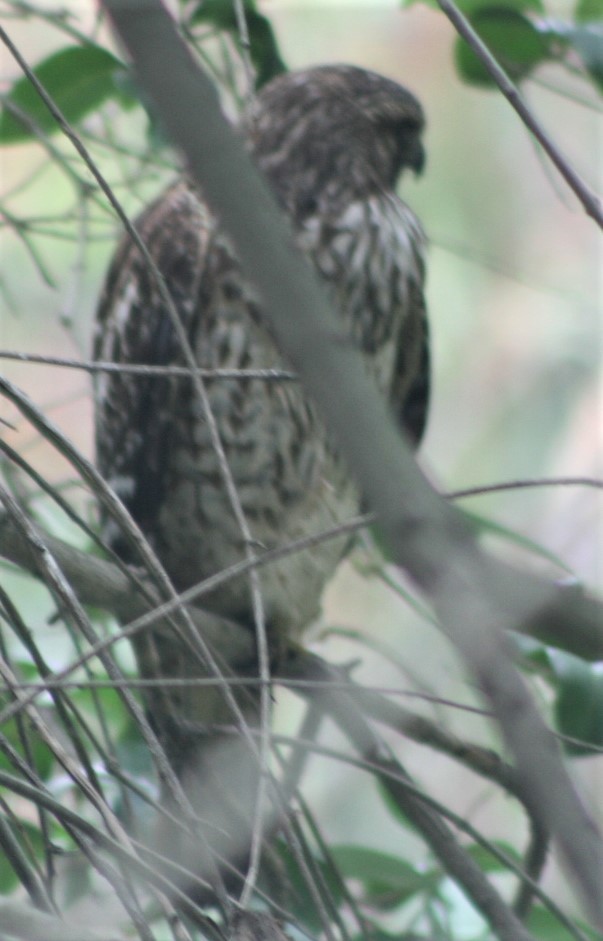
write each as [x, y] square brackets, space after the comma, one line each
[177, 231]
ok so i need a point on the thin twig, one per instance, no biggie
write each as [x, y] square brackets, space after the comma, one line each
[425, 815]
[388, 771]
[114, 506]
[525, 484]
[107, 841]
[247, 65]
[590, 201]
[160, 578]
[94, 366]
[477, 598]
[102, 584]
[257, 604]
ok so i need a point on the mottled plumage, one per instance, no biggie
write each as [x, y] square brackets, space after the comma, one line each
[332, 143]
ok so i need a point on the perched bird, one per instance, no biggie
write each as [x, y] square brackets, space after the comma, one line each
[332, 142]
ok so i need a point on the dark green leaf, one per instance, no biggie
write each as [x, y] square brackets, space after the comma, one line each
[587, 40]
[482, 525]
[589, 10]
[487, 862]
[30, 840]
[514, 41]
[78, 79]
[543, 924]
[8, 876]
[12, 731]
[471, 7]
[579, 703]
[132, 753]
[534, 654]
[300, 900]
[388, 881]
[264, 50]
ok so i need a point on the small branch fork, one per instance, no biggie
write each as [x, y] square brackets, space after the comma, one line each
[468, 591]
[104, 584]
[118, 589]
[591, 203]
[308, 676]
[476, 598]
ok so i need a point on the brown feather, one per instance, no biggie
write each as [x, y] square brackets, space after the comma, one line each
[332, 143]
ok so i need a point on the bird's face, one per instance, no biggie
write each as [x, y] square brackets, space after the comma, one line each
[320, 130]
[385, 120]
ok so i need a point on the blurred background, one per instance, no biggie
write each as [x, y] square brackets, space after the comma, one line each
[514, 294]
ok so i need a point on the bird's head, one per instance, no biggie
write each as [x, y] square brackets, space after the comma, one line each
[334, 129]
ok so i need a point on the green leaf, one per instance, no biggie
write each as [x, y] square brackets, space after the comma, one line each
[543, 924]
[587, 40]
[579, 702]
[534, 654]
[263, 50]
[41, 756]
[472, 7]
[588, 10]
[489, 863]
[30, 840]
[78, 78]
[300, 900]
[482, 525]
[388, 881]
[514, 41]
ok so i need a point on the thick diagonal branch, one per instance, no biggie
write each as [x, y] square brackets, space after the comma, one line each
[469, 590]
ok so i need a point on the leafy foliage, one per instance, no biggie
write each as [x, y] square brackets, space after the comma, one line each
[86, 80]
[515, 41]
[522, 37]
[545, 926]
[577, 689]
[79, 79]
[263, 48]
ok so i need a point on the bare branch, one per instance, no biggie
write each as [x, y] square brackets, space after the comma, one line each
[106, 841]
[573, 621]
[104, 584]
[24, 923]
[475, 597]
[268, 375]
[590, 201]
[527, 483]
[346, 712]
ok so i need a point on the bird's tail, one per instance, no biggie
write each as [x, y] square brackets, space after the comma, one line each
[209, 731]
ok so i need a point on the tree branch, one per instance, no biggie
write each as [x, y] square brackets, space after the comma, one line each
[590, 201]
[102, 584]
[475, 597]
[348, 715]
[572, 622]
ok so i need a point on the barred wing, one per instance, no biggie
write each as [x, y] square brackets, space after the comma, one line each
[134, 413]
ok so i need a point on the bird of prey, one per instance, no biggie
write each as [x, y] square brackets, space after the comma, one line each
[332, 143]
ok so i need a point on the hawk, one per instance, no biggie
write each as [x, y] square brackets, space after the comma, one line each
[332, 142]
